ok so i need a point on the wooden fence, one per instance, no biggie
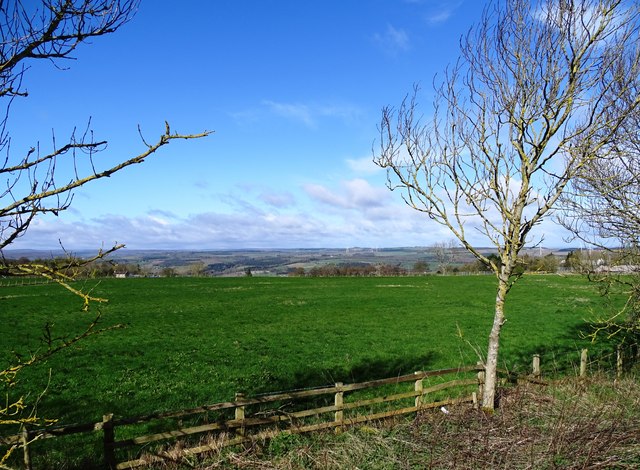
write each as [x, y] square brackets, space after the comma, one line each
[245, 419]
[23, 281]
[250, 419]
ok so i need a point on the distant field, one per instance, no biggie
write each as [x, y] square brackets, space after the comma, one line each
[274, 262]
[191, 341]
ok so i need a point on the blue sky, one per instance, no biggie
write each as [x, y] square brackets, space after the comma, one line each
[293, 91]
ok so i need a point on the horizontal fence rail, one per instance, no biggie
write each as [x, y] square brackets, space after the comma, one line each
[250, 419]
[254, 419]
[294, 421]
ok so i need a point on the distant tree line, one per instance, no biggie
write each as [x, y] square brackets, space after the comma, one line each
[74, 267]
[541, 264]
[577, 260]
[620, 259]
[526, 263]
[351, 270]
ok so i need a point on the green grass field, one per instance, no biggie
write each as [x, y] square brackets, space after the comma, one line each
[195, 341]
[190, 341]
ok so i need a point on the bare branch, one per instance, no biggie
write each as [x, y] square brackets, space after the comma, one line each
[539, 91]
[34, 182]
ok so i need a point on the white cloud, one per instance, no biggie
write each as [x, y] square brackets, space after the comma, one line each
[294, 111]
[439, 17]
[162, 213]
[309, 114]
[587, 19]
[363, 166]
[364, 195]
[280, 199]
[344, 112]
[442, 12]
[353, 213]
[246, 117]
[393, 40]
[322, 194]
[353, 194]
[159, 220]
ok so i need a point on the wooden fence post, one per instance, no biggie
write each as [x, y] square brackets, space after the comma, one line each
[419, 387]
[619, 360]
[240, 415]
[536, 365]
[108, 440]
[26, 448]
[480, 380]
[583, 363]
[338, 402]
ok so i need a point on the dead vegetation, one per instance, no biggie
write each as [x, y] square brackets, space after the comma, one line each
[572, 424]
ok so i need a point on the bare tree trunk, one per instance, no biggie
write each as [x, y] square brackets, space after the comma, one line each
[491, 365]
[541, 90]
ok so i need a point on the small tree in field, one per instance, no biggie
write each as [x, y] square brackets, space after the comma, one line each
[527, 106]
[33, 181]
[444, 254]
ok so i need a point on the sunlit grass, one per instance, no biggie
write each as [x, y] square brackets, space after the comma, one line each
[192, 341]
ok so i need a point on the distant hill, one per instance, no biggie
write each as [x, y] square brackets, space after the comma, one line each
[270, 262]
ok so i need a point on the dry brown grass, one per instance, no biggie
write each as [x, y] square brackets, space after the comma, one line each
[568, 425]
[574, 425]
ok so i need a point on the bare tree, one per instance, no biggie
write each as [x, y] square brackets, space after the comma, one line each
[444, 254]
[601, 207]
[34, 181]
[527, 105]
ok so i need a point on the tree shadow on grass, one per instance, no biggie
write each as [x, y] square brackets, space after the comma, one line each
[376, 366]
[371, 369]
[368, 368]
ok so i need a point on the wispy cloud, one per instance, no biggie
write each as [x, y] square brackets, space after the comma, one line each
[352, 194]
[442, 11]
[310, 114]
[279, 199]
[363, 166]
[393, 40]
[590, 20]
[340, 111]
[439, 17]
[294, 111]
[202, 184]
[324, 195]
[351, 212]
[246, 116]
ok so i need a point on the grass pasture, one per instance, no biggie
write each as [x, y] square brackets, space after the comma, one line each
[194, 341]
